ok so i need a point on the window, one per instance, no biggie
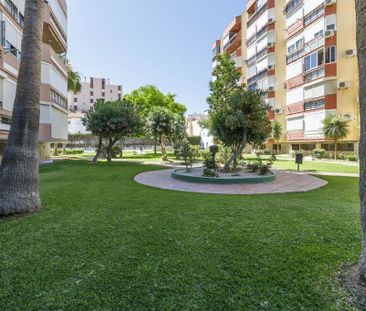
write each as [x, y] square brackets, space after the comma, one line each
[312, 16]
[330, 54]
[91, 93]
[75, 107]
[315, 74]
[91, 100]
[119, 96]
[331, 27]
[119, 88]
[103, 94]
[58, 99]
[91, 83]
[314, 60]
[12, 49]
[11, 8]
[307, 147]
[75, 99]
[318, 34]
[316, 104]
[293, 4]
[297, 45]
[5, 120]
[103, 84]
[21, 19]
[295, 147]
[340, 147]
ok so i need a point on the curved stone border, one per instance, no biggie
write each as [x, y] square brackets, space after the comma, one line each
[286, 182]
[180, 174]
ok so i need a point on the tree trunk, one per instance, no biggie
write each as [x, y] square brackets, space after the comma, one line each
[63, 148]
[109, 150]
[237, 153]
[155, 143]
[335, 150]
[55, 150]
[99, 149]
[278, 148]
[361, 52]
[19, 176]
[162, 146]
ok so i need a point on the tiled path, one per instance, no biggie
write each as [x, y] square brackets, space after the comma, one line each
[285, 182]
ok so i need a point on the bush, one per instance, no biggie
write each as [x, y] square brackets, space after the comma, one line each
[194, 140]
[116, 152]
[267, 152]
[318, 153]
[214, 149]
[209, 162]
[351, 157]
[76, 151]
[259, 167]
[224, 154]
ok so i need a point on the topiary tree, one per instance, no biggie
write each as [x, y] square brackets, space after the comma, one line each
[277, 132]
[110, 122]
[335, 128]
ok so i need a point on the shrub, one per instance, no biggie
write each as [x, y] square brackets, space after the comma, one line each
[116, 152]
[194, 140]
[224, 154]
[351, 157]
[267, 152]
[209, 162]
[76, 151]
[318, 153]
[259, 167]
[214, 150]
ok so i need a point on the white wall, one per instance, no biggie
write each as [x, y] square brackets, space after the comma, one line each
[50, 76]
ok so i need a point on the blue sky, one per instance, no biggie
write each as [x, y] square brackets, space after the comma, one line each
[162, 42]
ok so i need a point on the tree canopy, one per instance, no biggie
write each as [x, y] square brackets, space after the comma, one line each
[237, 116]
[148, 97]
[111, 121]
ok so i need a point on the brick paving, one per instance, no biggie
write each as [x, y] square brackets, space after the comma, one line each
[285, 182]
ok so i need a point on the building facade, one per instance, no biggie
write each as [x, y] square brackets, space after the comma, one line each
[91, 91]
[53, 103]
[302, 54]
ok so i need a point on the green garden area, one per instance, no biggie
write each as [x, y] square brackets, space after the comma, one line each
[102, 241]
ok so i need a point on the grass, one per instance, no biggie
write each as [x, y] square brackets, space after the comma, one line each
[317, 166]
[103, 242]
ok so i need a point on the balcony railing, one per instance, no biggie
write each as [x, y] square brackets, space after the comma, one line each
[257, 35]
[256, 14]
[257, 56]
[258, 76]
[231, 40]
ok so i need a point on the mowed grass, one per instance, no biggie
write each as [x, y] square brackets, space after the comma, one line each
[318, 166]
[103, 242]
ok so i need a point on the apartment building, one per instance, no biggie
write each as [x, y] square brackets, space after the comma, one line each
[321, 71]
[53, 104]
[302, 54]
[91, 91]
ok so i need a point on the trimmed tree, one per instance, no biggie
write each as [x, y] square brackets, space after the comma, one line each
[19, 176]
[237, 116]
[243, 122]
[164, 124]
[111, 122]
[276, 133]
[361, 52]
[335, 128]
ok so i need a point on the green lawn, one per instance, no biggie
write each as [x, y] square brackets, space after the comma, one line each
[317, 166]
[103, 242]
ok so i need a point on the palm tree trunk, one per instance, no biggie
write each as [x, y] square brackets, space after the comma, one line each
[335, 150]
[19, 176]
[278, 148]
[361, 52]
[55, 150]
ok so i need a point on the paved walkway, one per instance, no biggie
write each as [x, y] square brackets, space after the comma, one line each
[285, 182]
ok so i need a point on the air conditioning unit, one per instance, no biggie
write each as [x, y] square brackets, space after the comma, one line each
[329, 34]
[285, 85]
[271, 20]
[270, 88]
[278, 111]
[344, 85]
[270, 45]
[351, 52]
[329, 2]
[271, 67]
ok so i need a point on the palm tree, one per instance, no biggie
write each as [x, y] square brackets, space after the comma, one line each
[73, 80]
[277, 132]
[361, 52]
[19, 177]
[335, 128]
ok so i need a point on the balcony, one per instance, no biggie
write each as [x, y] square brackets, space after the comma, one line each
[257, 35]
[257, 56]
[234, 43]
[234, 27]
[53, 34]
[216, 49]
[256, 14]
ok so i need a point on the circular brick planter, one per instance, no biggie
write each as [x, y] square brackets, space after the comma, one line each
[196, 176]
[285, 182]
